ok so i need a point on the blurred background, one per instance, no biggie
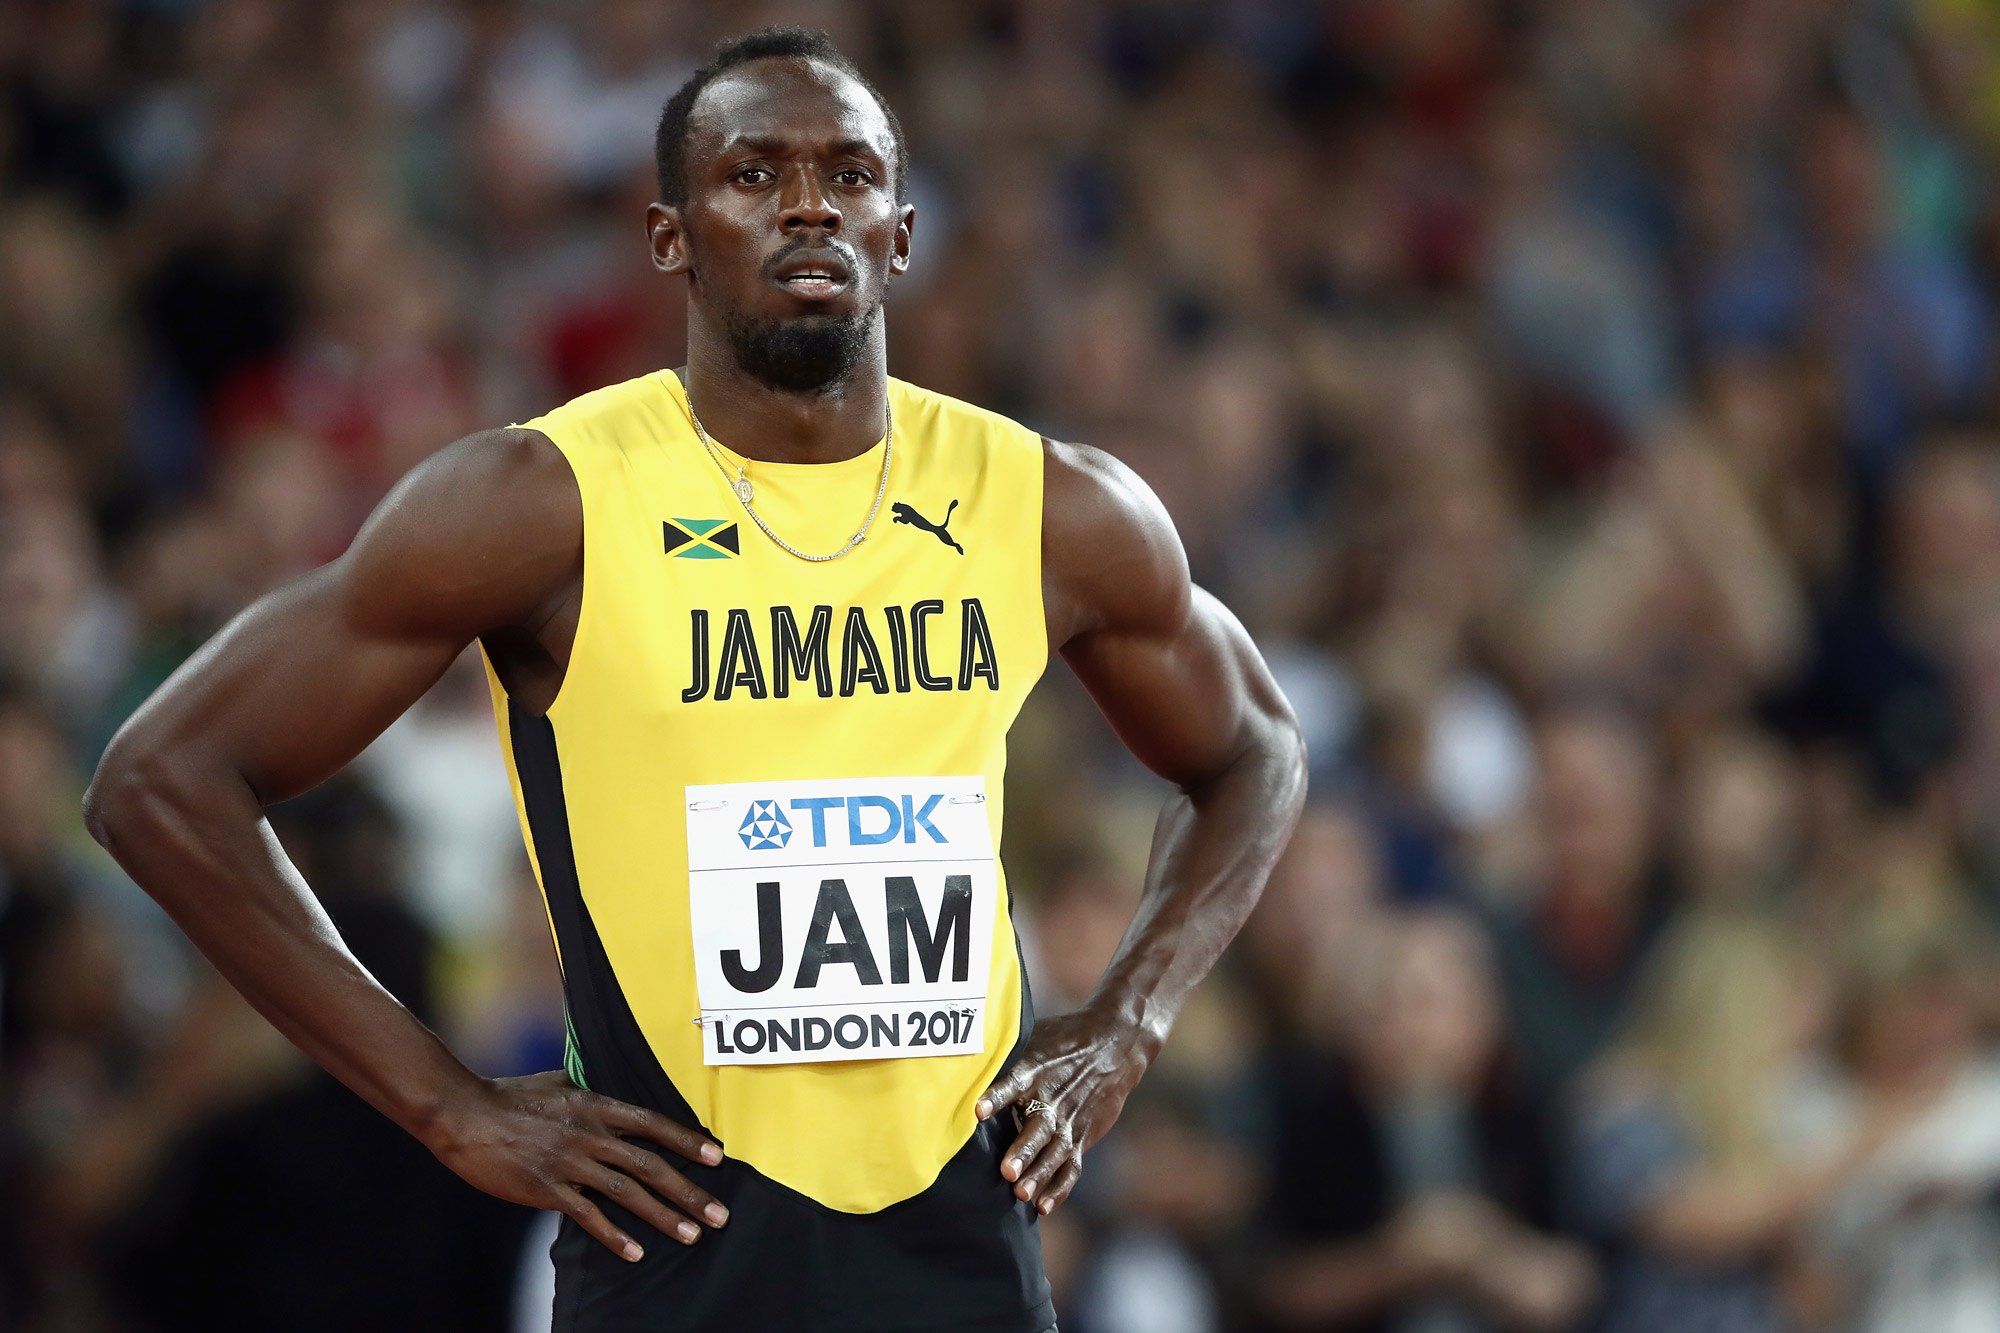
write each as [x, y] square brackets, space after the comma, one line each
[1589, 405]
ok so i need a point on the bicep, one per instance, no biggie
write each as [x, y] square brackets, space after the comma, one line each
[477, 538]
[294, 687]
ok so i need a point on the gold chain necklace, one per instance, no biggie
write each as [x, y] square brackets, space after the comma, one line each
[745, 492]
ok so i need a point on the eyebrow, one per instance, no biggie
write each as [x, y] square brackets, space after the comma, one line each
[762, 144]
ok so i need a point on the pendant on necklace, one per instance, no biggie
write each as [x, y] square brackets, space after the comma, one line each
[743, 491]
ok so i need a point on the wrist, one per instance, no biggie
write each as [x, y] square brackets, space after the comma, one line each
[1405, 1267]
[443, 1117]
[1143, 1018]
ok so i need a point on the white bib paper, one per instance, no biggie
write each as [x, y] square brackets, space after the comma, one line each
[841, 919]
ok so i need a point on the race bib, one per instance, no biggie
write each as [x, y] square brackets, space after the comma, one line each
[841, 919]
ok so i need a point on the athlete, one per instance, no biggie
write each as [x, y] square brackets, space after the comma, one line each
[757, 731]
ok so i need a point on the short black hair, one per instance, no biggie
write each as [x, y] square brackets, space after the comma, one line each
[775, 43]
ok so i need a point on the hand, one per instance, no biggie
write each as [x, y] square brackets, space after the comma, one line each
[1534, 1282]
[1440, 1237]
[1084, 1066]
[542, 1141]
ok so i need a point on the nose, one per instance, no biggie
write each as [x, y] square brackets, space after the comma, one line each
[805, 204]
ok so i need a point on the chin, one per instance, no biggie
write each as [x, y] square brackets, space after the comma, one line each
[817, 313]
[801, 351]
[840, 305]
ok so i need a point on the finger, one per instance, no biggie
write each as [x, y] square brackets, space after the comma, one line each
[1034, 1134]
[662, 1179]
[630, 1195]
[1035, 1179]
[1007, 1089]
[669, 1134]
[593, 1220]
[1052, 1197]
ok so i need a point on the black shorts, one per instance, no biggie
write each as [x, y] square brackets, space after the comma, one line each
[962, 1257]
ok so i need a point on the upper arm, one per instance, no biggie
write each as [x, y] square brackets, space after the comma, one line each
[480, 537]
[1172, 670]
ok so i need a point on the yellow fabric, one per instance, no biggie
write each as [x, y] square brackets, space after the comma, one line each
[856, 1135]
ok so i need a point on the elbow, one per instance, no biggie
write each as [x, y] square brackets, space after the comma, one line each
[1297, 762]
[127, 782]
[107, 798]
[1266, 759]
[1284, 747]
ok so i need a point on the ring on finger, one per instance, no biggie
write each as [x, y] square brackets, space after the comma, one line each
[1035, 1106]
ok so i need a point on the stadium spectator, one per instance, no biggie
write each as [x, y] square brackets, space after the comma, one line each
[1569, 954]
[1686, 1169]
[1418, 1182]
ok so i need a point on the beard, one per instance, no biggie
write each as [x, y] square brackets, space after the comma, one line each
[802, 355]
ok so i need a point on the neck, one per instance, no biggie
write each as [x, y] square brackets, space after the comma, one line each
[839, 421]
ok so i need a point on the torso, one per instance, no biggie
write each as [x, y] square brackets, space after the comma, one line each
[916, 650]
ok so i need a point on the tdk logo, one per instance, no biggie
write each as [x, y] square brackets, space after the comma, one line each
[765, 827]
[870, 821]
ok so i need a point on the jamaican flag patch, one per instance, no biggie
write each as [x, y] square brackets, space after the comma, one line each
[702, 539]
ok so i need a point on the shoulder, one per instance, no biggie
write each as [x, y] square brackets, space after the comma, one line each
[476, 534]
[918, 408]
[1109, 548]
[615, 416]
[510, 472]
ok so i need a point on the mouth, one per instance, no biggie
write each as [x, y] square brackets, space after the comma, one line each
[815, 277]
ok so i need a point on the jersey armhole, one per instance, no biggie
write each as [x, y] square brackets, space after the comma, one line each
[585, 616]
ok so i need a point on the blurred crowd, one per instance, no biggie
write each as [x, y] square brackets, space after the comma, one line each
[1589, 405]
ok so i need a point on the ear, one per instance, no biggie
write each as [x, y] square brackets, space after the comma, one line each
[899, 258]
[669, 242]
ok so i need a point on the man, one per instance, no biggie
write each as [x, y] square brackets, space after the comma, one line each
[757, 737]
[1569, 960]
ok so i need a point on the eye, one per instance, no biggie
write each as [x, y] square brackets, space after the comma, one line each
[853, 176]
[754, 175]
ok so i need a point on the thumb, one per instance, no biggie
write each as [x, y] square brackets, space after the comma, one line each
[1007, 1089]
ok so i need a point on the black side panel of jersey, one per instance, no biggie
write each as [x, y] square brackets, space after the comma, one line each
[962, 1255]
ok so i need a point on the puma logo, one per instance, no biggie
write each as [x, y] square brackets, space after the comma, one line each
[902, 513]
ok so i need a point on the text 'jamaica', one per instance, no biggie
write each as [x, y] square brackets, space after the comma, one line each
[906, 654]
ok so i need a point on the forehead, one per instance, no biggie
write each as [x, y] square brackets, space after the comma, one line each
[800, 103]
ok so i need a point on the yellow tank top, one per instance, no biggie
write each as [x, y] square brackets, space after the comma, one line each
[729, 707]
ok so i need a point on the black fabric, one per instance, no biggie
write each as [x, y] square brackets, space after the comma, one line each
[963, 1255]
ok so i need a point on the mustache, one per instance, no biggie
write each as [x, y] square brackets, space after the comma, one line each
[841, 249]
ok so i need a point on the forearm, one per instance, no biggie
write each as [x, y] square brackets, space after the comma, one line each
[1718, 1216]
[1339, 1282]
[192, 834]
[1213, 848]
[1533, 1282]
